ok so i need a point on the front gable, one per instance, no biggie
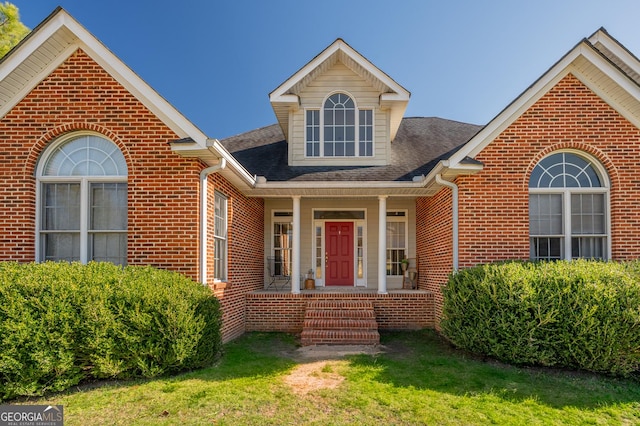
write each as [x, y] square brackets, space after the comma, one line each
[59, 37]
[302, 108]
[596, 64]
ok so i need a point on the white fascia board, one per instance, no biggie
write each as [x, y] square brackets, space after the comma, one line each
[617, 49]
[338, 185]
[398, 90]
[289, 100]
[339, 45]
[302, 72]
[105, 58]
[215, 146]
[395, 97]
[138, 87]
[46, 71]
[535, 92]
[29, 46]
[445, 168]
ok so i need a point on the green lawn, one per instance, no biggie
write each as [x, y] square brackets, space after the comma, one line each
[418, 380]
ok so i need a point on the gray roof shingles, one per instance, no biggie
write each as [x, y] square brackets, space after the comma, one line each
[421, 142]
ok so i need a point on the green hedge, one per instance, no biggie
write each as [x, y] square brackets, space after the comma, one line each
[63, 323]
[579, 314]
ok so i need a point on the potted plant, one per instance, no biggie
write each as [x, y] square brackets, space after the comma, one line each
[309, 282]
[404, 263]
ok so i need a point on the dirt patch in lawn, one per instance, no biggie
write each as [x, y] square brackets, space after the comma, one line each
[319, 365]
[314, 376]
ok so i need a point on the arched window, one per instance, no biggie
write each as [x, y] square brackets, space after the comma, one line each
[82, 201]
[335, 131]
[568, 208]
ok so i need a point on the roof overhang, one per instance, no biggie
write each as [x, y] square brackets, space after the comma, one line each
[587, 63]
[51, 43]
[284, 99]
[211, 155]
[58, 37]
[420, 186]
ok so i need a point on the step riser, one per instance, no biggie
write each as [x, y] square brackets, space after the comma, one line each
[346, 324]
[346, 337]
[340, 314]
[340, 304]
[340, 322]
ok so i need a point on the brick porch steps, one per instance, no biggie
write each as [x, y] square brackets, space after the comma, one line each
[340, 322]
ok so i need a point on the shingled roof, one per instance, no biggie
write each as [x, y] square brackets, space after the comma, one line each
[420, 143]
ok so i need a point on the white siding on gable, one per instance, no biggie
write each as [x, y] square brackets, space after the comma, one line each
[339, 78]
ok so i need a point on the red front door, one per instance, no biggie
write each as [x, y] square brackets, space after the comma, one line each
[339, 253]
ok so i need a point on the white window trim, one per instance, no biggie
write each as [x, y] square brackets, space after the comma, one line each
[85, 182]
[356, 125]
[280, 219]
[566, 201]
[404, 219]
[223, 277]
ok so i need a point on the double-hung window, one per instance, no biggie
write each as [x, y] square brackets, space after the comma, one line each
[282, 242]
[82, 201]
[220, 237]
[339, 129]
[396, 241]
[568, 208]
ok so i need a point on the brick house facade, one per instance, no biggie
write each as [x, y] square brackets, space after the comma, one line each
[346, 200]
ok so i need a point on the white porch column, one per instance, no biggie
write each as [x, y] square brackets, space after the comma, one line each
[295, 247]
[382, 244]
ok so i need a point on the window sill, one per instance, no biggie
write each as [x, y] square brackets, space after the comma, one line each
[220, 285]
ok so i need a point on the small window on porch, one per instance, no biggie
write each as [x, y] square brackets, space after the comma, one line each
[282, 241]
[396, 241]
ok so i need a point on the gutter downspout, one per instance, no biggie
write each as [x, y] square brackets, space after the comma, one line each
[454, 219]
[204, 174]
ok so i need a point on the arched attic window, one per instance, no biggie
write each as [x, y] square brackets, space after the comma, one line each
[568, 208]
[340, 129]
[82, 201]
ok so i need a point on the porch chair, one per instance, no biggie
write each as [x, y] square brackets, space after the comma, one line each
[279, 270]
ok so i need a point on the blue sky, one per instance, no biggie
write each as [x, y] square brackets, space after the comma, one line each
[217, 61]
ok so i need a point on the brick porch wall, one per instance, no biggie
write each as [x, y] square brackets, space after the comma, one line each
[273, 311]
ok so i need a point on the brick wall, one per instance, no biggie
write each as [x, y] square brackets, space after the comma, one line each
[163, 198]
[163, 188]
[271, 311]
[434, 243]
[246, 254]
[494, 216]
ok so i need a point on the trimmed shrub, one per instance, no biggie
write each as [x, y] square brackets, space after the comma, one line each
[62, 323]
[579, 314]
